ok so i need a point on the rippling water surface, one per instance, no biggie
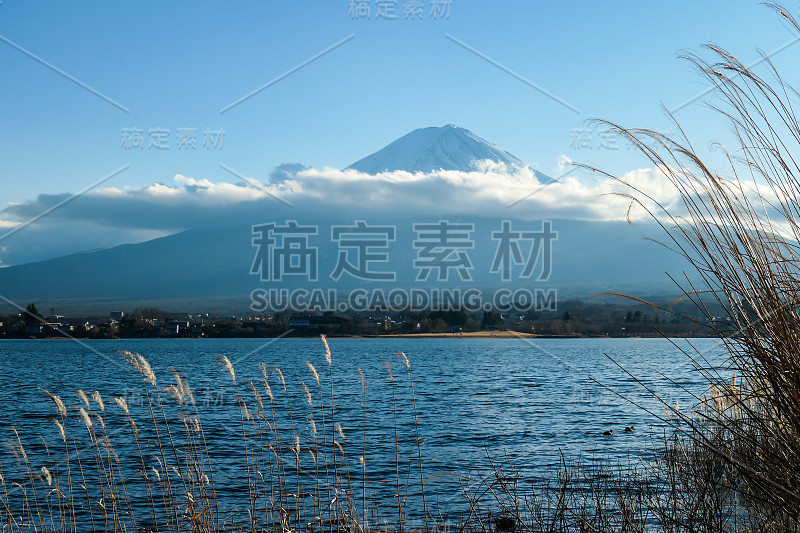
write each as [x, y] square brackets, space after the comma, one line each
[524, 400]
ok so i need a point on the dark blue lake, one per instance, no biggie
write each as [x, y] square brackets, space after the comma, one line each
[526, 401]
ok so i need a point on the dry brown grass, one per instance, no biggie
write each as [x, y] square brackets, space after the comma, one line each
[733, 463]
[739, 227]
[295, 460]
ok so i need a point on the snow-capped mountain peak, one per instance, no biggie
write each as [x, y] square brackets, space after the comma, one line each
[430, 149]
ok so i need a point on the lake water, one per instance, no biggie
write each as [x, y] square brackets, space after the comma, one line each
[522, 400]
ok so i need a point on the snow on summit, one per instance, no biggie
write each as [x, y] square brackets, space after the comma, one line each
[433, 149]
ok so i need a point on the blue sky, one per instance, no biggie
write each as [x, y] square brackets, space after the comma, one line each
[175, 65]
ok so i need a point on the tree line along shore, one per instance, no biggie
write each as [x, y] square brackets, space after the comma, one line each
[574, 318]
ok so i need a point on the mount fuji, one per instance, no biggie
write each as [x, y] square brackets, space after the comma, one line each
[432, 149]
[209, 266]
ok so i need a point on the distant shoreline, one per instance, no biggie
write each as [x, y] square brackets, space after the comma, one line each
[464, 335]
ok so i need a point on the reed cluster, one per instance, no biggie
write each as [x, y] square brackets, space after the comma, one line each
[733, 460]
[732, 463]
[738, 227]
[279, 467]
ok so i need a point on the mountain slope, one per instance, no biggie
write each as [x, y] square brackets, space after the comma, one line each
[210, 264]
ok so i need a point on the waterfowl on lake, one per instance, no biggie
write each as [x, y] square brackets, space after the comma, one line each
[505, 524]
[629, 428]
[609, 432]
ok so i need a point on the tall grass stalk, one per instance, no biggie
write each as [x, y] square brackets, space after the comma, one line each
[738, 227]
[155, 477]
